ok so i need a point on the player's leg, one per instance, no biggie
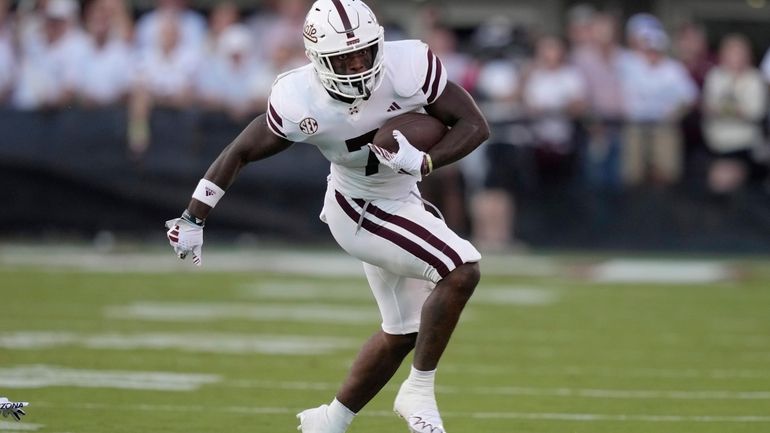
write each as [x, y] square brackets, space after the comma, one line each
[399, 300]
[375, 365]
[441, 312]
[403, 239]
[416, 398]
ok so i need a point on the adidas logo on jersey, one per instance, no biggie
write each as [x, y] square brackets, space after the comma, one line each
[393, 107]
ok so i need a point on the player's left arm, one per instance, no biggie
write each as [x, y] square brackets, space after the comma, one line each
[457, 109]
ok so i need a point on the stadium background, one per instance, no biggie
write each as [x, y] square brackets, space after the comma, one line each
[54, 153]
[606, 305]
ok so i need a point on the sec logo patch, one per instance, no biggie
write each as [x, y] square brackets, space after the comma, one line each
[308, 126]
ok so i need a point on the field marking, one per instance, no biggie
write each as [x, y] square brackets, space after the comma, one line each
[540, 416]
[191, 342]
[331, 262]
[660, 271]
[532, 391]
[660, 373]
[197, 312]
[41, 376]
[515, 295]
[487, 294]
[594, 417]
[19, 426]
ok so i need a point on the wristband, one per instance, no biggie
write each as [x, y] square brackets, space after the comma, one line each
[190, 218]
[427, 165]
[208, 192]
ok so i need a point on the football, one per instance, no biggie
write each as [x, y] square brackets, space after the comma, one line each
[422, 130]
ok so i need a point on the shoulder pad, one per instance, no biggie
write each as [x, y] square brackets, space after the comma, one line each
[286, 106]
[414, 68]
[289, 91]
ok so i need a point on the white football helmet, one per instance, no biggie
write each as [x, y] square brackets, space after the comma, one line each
[334, 27]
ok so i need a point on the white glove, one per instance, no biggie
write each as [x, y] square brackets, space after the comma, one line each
[12, 408]
[407, 160]
[186, 238]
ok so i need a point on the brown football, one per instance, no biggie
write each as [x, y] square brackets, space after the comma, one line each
[422, 130]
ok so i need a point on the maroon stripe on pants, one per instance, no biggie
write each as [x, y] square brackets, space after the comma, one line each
[415, 229]
[399, 240]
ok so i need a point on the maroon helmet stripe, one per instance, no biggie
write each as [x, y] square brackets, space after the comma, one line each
[415, 229]
[436, 81]
[426, 84]
[395, 238]
[345, 18]
[274, 114]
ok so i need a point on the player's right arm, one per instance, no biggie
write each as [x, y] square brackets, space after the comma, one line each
[257, 141]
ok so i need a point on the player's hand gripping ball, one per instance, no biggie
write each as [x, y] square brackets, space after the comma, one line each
[402, 142]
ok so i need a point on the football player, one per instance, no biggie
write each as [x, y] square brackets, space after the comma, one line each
[421, 272]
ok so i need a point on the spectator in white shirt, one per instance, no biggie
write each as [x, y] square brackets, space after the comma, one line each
[600, 63]
[167, 69]
[166, 78]
[554, 94]
[106, 78]
[735, 100]
[120, 19]
[51, 63]
[231, 80]
[275, 26]
[222, 16]
[765, 68]
[149, 27]
[7, 57]
[657, 91]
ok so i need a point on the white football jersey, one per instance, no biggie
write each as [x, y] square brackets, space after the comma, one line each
[301, 110]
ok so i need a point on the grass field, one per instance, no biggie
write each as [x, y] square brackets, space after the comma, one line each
[135, 342]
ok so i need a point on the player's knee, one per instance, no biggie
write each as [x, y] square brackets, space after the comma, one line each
[466, 277]
[401, 344]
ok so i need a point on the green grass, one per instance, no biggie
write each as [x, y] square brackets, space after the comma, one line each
[639, 358]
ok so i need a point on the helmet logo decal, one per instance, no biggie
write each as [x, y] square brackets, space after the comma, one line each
[309, 32]
[308, 126]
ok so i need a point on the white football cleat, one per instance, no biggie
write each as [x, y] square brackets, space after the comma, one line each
[314, 420]
[420, 411]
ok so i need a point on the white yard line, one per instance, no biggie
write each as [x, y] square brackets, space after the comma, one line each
[38, 376]
[613, 372]
[210, 342]
[579, 417]
[197, 312]
[594, 417]
[660, 271]
[19, 426]
[491, 294]
[331, 262]
[42, 376]
[532, 391]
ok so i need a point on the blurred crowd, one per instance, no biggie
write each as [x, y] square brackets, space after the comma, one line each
[59, 53]
[611, 104]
